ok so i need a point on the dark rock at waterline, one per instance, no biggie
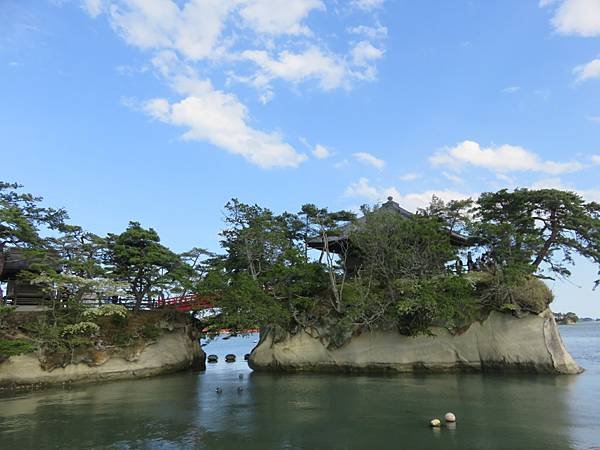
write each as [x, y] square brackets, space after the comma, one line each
[246, 356]
[212, 358]
[230, 358]
[199, 362]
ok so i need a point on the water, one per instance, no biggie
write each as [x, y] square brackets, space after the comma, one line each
[315, 411]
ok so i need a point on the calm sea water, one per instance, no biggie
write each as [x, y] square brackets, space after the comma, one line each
[315, 411]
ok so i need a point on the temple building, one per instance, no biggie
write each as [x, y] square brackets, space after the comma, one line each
[18, 292]
[341, 244]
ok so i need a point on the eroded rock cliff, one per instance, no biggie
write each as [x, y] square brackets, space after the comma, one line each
[502, 342]
[172, 351]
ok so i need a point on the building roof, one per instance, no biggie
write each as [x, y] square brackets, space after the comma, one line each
[334, 241]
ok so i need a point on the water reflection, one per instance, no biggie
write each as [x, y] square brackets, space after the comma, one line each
[306, 411]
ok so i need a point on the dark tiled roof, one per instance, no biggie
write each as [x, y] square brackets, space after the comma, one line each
[317, 242]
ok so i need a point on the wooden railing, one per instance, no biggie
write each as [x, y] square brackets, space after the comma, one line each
[190, 302]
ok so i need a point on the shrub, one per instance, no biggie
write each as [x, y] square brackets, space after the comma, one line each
[122, 339]
[532, 295]
[108, 310]
[13, 347]
[526, 293]
[150, 331]
[445, 301]
[80, 329]
[5, 313]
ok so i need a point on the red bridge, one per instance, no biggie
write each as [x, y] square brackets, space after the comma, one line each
[186, 303]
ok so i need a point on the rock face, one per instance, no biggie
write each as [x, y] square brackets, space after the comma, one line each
[501, 343]
[171, 352]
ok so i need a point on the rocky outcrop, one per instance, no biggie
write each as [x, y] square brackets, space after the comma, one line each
[502, 342]
[171, 352]
[569, 318]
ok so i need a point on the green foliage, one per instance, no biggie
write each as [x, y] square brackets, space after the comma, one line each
[22, 217]
[445, 301]
[456, 214]
[495, 291]
[14, 347]
[526, 229]
[140, 260]
[392, 247]
[265, 278]
[123, 338]
[384, 271]
[81, 329]
[150, 331]
[108, 310]
[5, 313]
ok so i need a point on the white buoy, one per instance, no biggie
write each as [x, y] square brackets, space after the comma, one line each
[450, 417]
[435, 423]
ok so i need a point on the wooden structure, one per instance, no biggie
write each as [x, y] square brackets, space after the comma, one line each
[340, 244]
[186, 303]
[18, 292]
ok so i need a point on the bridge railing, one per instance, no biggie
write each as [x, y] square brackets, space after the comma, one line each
[187, 302]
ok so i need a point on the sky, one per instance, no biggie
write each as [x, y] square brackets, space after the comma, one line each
[162, 110]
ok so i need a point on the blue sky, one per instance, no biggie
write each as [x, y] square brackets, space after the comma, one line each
[162, 110]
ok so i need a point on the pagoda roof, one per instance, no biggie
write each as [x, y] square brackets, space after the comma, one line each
[390, 205]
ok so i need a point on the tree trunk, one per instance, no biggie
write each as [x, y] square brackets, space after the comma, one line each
[548, 244]
[139, 297]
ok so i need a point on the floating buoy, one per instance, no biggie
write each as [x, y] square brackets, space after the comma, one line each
[436, 423]
[230, 358]
[241, 376]
[450, 417]
[219, 390]
[212, 358]
[240, 389]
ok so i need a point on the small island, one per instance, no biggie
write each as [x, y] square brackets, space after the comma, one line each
[456, 286]
[569, 318]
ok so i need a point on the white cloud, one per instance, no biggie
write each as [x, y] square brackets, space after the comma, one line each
[219, 118]
[367, 5]
[588, 71]
[596, 159]
[579, 17]
[93, 7]
[364, 53]
[271, 37]
[453, 177]
[329, 70]
[376, 32]
[590, 195]
[504, 158]
[341, 164]
[321, 152]
[368, 158]
[363, 189]
[410, 176]
[416, 200]
[511, 89]
[193, 30]
[595, 119]
[279, 16]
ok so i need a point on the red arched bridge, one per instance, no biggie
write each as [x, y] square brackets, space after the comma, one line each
[185, 303]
